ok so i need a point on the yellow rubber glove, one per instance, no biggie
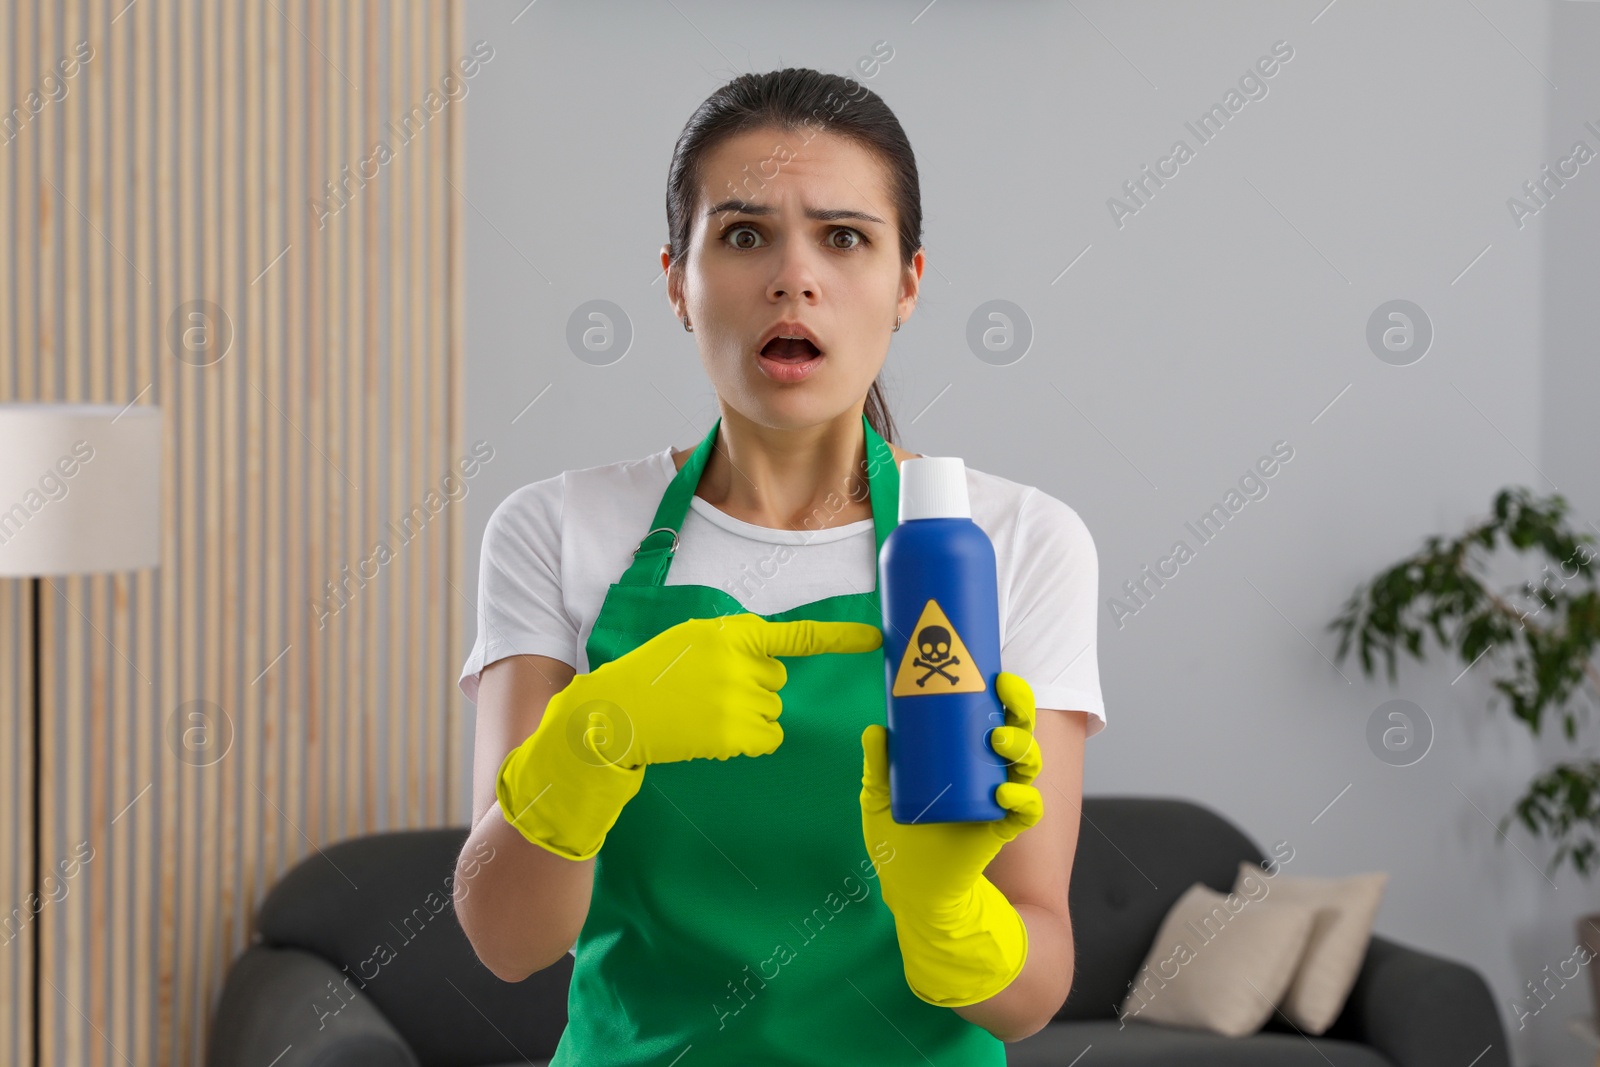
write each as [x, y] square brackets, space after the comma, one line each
[705, 688]
[960, 939]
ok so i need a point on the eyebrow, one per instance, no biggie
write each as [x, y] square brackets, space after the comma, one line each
[744, 207]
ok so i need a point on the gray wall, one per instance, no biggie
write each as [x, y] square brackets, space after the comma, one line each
[1228, 314]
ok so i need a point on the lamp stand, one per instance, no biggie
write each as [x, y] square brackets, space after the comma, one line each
[38, 822]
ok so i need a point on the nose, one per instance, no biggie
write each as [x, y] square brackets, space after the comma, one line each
[795, 275]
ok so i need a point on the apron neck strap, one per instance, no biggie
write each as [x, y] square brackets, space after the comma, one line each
[654, 554]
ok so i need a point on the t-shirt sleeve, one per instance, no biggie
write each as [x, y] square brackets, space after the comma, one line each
[520, 607]
[1050, 637]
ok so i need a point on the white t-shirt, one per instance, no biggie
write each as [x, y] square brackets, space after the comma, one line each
[553, 548]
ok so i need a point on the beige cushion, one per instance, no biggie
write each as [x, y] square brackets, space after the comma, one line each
[1220, 962]
[1338, 942]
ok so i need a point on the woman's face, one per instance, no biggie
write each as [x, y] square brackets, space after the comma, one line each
[793, 236]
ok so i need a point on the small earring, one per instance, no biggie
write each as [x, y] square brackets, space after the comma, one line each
[686, 325]
[896, 325]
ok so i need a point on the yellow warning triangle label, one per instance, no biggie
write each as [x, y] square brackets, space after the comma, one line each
[936, 660]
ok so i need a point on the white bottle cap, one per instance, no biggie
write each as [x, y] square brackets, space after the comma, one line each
[934, 487]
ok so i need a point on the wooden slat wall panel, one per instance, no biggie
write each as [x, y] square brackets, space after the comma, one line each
[16, 946]
[178, 164]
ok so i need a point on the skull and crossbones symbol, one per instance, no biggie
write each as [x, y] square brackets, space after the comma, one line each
[934, 644]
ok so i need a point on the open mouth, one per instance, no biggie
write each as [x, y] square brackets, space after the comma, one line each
[790, 350]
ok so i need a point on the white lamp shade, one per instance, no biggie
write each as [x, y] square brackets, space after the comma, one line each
[80, 488]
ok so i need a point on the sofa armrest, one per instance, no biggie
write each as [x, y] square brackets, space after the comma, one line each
[297, 1006]
[1422, 1010]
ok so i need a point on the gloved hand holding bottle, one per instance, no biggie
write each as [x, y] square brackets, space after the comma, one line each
[961, 940]
[702, 689]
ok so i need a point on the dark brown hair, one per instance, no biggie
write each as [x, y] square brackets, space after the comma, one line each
[799, 100]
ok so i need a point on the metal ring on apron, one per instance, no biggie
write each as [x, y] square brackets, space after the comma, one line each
[671, 551]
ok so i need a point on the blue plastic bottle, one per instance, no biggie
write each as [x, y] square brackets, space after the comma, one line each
[941, 641]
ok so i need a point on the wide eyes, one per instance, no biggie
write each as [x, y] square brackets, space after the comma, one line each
[734, 237]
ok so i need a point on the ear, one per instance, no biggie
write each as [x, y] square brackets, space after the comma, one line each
[674, 283]
[911, 285]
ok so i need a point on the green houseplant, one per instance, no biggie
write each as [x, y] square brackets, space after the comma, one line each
[1544, 647]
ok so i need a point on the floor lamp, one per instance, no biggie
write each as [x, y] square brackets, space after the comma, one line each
[80, 493]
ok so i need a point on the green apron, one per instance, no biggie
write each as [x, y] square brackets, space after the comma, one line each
[735, 917]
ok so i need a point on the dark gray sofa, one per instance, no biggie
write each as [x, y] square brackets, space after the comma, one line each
[375, 912]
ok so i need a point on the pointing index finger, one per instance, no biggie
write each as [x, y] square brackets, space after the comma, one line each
[807, 637]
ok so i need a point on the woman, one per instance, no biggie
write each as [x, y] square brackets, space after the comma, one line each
[721, 907]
